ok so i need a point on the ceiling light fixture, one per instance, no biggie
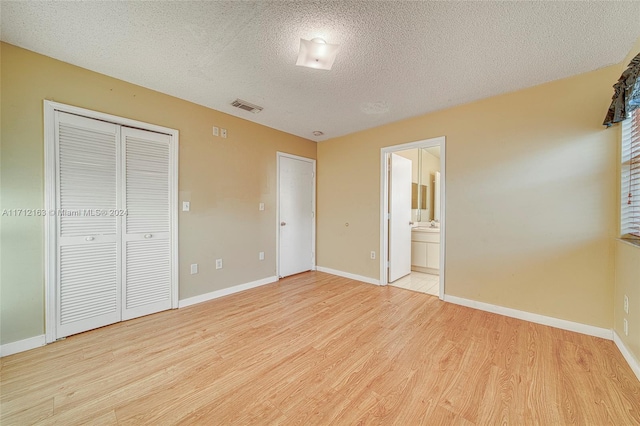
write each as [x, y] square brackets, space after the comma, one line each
[316, 53]
[318, 133]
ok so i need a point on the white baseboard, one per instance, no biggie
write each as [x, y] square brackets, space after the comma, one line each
[627, 354]
[22, 345]
[590, 330]
[225, 292]
[348, 275]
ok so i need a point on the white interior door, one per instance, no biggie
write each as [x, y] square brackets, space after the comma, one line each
[147, 234]
[88, 251]
[296, 222]
[400, 217]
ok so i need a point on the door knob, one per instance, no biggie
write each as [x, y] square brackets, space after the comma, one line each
[283, 223]
[89, 238]
[147, 235]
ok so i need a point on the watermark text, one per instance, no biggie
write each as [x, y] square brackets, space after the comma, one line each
[64, 212]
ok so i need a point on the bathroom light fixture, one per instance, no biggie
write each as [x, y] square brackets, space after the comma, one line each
[316, 53]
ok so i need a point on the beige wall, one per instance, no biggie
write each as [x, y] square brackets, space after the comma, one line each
[530, 199]
[225, 180]
[628, 283]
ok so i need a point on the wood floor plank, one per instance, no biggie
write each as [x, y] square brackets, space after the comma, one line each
[316, 349]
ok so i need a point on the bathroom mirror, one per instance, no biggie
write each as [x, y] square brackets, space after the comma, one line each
[425, 163]
[418, 196]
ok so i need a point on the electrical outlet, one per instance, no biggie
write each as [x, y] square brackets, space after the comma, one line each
[216, 131]
[261, 255]
[194, 268]
[218, 263]
[186, 206]
[626, 304]
[373, 255]
[223, 133]
[626, 327]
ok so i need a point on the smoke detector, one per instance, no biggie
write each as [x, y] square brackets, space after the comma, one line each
[318, 133]
[247, 106]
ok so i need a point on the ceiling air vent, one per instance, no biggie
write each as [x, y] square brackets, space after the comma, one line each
[239, 103]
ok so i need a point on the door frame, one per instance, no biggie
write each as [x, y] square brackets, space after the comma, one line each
[384, 204]
[50, 177]
[279, 156]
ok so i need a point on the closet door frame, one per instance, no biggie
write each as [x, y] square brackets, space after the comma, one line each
[50, 199]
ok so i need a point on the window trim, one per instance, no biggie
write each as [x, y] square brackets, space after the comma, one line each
[629, 150]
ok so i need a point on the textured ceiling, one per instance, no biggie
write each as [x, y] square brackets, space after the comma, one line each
[397, 59]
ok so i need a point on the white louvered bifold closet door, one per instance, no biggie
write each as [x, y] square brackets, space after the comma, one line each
[147, 225]
[88, 256]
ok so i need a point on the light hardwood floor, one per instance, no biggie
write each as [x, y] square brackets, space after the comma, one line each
[319, 349]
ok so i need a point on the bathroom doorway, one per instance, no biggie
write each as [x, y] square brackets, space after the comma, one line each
[426, 227]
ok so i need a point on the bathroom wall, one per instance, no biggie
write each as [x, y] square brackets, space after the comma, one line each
[430, 165]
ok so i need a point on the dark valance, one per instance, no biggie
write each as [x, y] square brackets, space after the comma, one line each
[626, 95]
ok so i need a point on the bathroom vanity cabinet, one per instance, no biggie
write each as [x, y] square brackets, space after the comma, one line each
[425, 249]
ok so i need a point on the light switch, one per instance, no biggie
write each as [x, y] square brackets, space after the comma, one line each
[261, 206]
[216, 131]
[261, 255]
[186, 205]
[194, 268]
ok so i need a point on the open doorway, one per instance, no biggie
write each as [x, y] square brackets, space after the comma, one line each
[412, 233]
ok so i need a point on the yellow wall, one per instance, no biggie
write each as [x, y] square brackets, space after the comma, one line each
[628, 283]
[225, 180]
[530, 199]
